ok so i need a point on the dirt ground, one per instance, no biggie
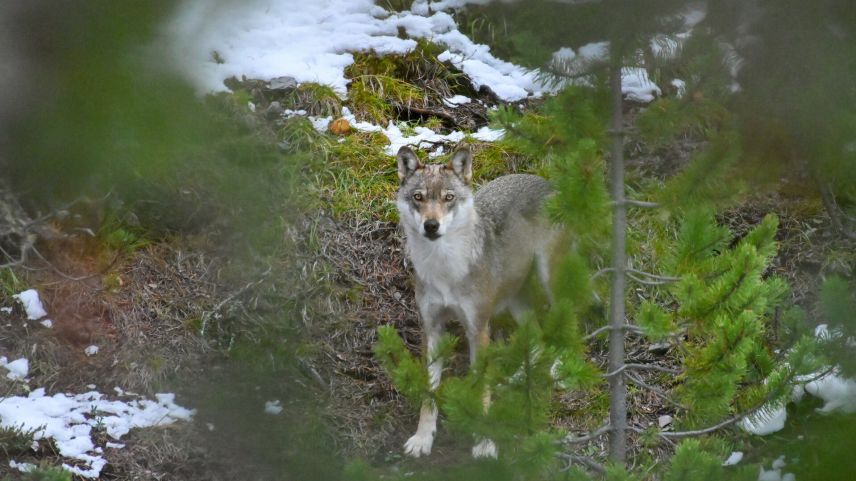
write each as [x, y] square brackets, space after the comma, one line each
[148, 309]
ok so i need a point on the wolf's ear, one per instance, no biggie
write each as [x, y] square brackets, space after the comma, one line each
[462, 164]
[408, 162]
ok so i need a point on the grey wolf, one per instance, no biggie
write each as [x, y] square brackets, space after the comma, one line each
[472, 254]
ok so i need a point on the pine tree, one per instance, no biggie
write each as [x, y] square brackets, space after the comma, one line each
[712, 300]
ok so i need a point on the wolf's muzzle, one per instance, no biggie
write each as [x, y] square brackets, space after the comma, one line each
[431, 227]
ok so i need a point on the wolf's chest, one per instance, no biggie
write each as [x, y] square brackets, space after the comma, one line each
[443, 267]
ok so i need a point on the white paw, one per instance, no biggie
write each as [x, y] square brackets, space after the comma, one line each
[484, 449]
[419, 444]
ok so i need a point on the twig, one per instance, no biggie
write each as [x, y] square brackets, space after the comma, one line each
[646, 282]
[639, 382]
[652, 367]
[588, 437]
[638, 203]
[587, 461]
[601, 272]
[600, 330]
[63, 274]
[708, 430]
[654, 276]
[597, 331]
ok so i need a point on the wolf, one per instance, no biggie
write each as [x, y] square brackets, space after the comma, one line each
[471, 253]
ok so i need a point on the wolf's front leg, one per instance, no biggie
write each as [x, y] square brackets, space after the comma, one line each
[421, 442]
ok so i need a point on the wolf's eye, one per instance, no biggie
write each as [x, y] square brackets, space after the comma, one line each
[449, 197]
[417, 196]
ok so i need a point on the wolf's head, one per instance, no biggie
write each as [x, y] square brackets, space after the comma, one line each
[434, 199]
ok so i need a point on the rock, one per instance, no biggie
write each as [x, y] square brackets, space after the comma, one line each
[664, 420]
[340, 126]
[283, 83]
[660, 348]
[274, 110]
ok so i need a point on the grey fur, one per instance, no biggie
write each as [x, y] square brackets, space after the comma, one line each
[477, 265]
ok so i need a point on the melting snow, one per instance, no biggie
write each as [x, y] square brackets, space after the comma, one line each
[22, 467]
[313, 41]
[735, 458]
[68, 420]
[32, 304]
[273, 407]
[420, 136]
[18, 369]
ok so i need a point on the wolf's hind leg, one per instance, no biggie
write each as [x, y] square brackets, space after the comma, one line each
[542, 265]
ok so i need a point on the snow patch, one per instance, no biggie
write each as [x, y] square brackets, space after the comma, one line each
[734, 458]
[312, 42]
[273, 407]
[18, 369]
[838, 393]
[775, 472]
[764, 423]
[419, 138]
[457, 100]
[22, 467]
[32, 304]
[47, 323]
[68, 419]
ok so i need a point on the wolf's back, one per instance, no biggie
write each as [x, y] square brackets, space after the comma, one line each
[515, 195]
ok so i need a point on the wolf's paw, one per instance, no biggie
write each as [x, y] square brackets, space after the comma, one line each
[419, 444]
[484, 449]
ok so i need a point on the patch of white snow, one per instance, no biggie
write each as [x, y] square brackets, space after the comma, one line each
[32, 304]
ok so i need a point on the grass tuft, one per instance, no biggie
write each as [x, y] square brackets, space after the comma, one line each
[376, 98]
[360, 179]
[316, 99]
[15, 440]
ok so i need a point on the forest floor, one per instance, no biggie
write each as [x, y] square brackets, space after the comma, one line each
[178, 313]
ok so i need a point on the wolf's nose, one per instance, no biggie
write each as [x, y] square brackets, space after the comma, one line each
[431, 226]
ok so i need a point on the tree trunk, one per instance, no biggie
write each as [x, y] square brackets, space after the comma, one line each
[617, 388]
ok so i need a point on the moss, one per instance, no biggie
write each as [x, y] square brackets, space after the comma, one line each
[493, 159]
[360, 178]
[418, 74]
[316, 99]
[298, 134]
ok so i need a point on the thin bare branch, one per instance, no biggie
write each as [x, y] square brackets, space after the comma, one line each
[651, 367]
[654, 276]
[602, 272]
[708, 430]
[659, 392]
[645, 281]
[601, 330]
[586, 461]
[588, 437]
[639, 203]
